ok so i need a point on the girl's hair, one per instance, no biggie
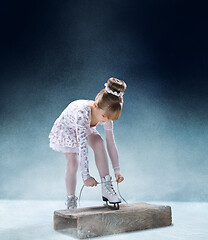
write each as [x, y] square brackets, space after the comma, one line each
[111, 104]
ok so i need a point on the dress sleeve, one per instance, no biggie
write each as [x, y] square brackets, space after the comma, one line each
[82, 125]
[108, 125]
[111, 146]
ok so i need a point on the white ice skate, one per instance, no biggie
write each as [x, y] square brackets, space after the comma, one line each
[71, 202]
[108, 193]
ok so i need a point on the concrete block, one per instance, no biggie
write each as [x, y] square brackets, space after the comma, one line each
[98, 221]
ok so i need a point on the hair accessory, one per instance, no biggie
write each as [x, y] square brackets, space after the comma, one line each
[114, 93]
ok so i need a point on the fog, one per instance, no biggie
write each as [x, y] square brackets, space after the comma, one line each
[54, 54]
[162, 152]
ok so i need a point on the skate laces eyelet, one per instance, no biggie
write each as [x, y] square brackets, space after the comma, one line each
[110, 188]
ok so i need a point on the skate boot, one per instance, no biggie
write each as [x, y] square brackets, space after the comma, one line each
[108, 193]
[71, 202]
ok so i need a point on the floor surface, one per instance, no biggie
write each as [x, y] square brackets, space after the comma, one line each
[33, 220]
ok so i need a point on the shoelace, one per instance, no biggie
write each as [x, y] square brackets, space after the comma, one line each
[102, 183]
[109, 187]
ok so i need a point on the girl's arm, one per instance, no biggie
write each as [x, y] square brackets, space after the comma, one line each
[82, 121]
[111, 146]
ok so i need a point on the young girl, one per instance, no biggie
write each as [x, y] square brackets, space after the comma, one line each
[75, 129]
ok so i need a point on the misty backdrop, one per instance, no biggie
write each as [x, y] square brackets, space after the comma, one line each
[55, 52]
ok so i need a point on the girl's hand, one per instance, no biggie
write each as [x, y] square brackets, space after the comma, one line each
[119, 177]
[90, 182]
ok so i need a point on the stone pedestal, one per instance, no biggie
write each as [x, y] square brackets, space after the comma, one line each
[97, 221]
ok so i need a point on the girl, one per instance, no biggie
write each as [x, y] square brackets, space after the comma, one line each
[75, 129]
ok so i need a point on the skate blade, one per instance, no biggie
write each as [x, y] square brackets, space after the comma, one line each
[114, 206]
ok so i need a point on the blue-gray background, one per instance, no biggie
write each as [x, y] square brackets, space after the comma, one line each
[54, 52]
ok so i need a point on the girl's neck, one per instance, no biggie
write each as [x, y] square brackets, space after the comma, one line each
[94, 121]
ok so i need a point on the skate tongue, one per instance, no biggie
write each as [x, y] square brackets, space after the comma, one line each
[108, 178]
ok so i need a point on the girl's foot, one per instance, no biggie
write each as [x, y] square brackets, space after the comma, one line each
[71, 202]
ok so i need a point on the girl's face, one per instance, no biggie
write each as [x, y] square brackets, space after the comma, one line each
[99, 113]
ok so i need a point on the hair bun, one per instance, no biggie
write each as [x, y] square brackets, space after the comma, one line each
[116, 85]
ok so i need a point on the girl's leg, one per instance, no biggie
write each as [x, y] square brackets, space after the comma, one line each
[97, 144]
[71, 172]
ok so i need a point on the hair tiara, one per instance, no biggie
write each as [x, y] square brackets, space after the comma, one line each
[114, 93]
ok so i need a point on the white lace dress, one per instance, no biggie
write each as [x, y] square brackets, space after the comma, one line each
[70, 130]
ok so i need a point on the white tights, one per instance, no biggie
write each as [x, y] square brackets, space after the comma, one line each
[96, 142]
